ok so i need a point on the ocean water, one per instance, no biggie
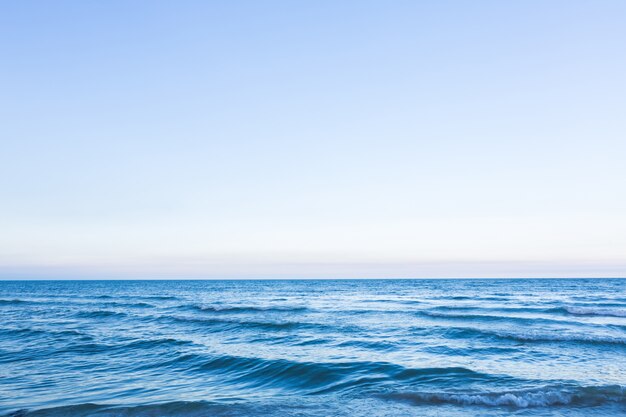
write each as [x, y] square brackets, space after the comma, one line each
[313, 348]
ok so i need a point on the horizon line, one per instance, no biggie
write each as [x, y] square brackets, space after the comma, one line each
[306, 279]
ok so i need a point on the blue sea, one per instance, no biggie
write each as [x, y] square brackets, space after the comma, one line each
[313, 348]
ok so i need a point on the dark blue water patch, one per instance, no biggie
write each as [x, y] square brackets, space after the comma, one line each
[225, 309]
[475, 298]
[100, 314]
[137, 297]
[12, 302]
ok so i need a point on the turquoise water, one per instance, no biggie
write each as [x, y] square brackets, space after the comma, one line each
[313, 348]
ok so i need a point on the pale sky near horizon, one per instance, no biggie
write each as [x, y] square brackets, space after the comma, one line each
[258, 139]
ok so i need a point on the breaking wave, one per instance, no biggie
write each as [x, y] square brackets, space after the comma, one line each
[546, 397]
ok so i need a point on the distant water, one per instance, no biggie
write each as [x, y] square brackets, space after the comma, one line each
[313, 348]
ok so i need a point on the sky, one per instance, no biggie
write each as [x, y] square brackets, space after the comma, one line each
[312, 139]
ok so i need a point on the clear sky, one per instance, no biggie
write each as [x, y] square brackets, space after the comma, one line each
[233, 139]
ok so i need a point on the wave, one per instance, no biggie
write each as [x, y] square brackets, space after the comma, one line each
[318, 377]
[593, 311]
[307, 378]
[175, 408]
[488, 317]
[35, 332]
[105, 348]
[151, 343]
[222, 323]
[78, 342]
[573, 310]
[368, 345]
[246, 309]
[545, 397]
[80, 302]
[492, 309]
[126, 305]
[493, 297]
[530, 335]
[516, 320]
[158, 297]
[136, 297]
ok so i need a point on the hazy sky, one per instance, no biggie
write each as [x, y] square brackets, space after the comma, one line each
[312, 138]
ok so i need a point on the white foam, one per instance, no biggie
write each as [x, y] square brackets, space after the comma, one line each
[539, 398]
[523, 400]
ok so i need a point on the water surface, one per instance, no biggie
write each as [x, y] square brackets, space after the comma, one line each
[313, 348]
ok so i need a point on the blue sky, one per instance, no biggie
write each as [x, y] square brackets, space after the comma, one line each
[236, 139]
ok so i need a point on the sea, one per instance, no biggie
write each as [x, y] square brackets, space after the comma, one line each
[438, 347]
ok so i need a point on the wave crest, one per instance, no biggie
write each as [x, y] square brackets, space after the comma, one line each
[532, 336]
[595, 311]
[546, 397]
